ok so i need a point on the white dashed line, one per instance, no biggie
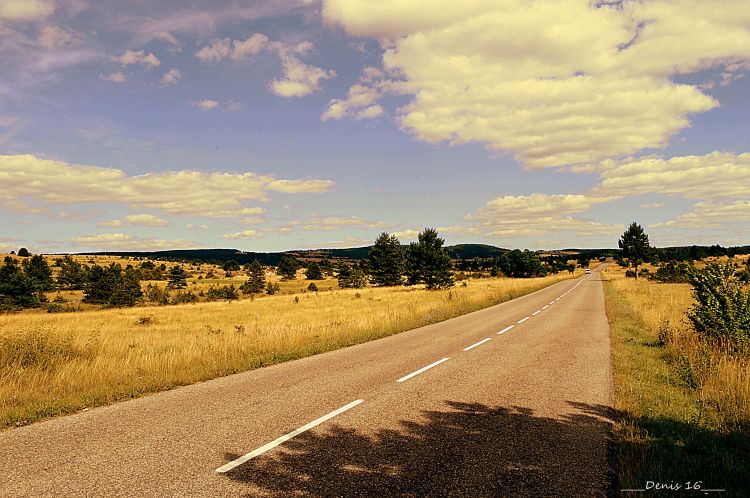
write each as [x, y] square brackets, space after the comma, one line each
[523, 319]
[234, 463]
[536, 312]
[546, 306]
[477, 344]
[505, 329]
[407, 377]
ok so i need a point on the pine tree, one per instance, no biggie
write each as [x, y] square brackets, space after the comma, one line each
[177, 278]
[635, 246]
[428, 262]
[256, 281]
[386, 260]
[288, 267]
[39, 272]
[72, 274]
[314, 272]
[16, 288]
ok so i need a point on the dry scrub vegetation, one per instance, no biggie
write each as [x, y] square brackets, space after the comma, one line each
[684, 403]
[52, 364]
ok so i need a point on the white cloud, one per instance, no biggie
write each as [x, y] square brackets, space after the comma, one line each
[110, 223]
[708, 214]
[146, 220]
[539, 214]
[53, 37]
[185, 192]
[216, 51]
[171, 77]
[244, 234]
[555, 82]
[251, 46]
[206, 104]
[126, 242]
[118, 77]
[147, 60]
[718, 175]
[334, 223]
[26, 10]
[359, 98]
[234, 105]
[191, 226]
[299, 79]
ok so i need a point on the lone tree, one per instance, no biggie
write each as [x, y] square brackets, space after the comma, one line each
[386, 260]
[288, 267]
[428, 262]
[635, 246]
[177, 278]
[314, 272]
[23, 252]
[256, 280]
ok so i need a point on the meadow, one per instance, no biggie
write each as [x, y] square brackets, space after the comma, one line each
[683, 405]
[58, 363]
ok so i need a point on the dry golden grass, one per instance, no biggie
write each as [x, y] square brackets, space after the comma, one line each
[58, 363]
[684, 404]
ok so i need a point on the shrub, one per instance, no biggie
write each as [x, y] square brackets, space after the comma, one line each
[272, 288]
[156, 295]
[228, 292]
[184, 297]
[312, 287]
[722, 309]
[673, 272]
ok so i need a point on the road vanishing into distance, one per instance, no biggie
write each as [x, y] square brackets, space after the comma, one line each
[512, 400]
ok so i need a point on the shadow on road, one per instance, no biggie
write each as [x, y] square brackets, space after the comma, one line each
[464, 450]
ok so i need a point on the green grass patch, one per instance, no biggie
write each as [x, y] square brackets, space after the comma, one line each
[665, 433]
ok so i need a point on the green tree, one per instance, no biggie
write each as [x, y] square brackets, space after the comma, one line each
[313, 271]
[326, 267]
[256, 280]
[428, 262]
[72, 274]
[386, 260]
[37, 269]
[288, 267]
[177, 278]
[16, 288]
[23, 252]
[231, 265]
[351, 277]
[635, 246]
[112, 286]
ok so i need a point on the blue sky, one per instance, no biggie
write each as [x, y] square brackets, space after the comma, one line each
[268, 125]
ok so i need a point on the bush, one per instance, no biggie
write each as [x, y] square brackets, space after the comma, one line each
[312, 287]
[157, 295]
[228, 292]
[673, 272]
[272, 288]
[722, 309]
[182, 297]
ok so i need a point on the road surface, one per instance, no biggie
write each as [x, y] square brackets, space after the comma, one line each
[512, 400]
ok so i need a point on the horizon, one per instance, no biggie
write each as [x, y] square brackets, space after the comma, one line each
[319, 124]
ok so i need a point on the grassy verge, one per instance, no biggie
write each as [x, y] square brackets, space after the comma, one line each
[52, 364]
[682, 407]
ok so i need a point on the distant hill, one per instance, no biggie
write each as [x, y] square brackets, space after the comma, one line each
[459, 251]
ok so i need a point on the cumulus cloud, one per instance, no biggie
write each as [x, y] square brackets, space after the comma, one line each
[118, 77]
[146, 220]
[146, 60]
[244, 234]
[110, 223]
[171, 77]
[191, 226]
[26, 10]
[299, 79]
[539, 214]
[122, 241]
[360, 103]
[211, 194]
[206, 104]
[710, 214]
[718, 175]
[555, 82]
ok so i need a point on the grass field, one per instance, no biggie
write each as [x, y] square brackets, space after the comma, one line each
[684, 406]
[51, 364]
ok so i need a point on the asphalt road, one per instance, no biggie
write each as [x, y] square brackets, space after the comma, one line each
[524, 413]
